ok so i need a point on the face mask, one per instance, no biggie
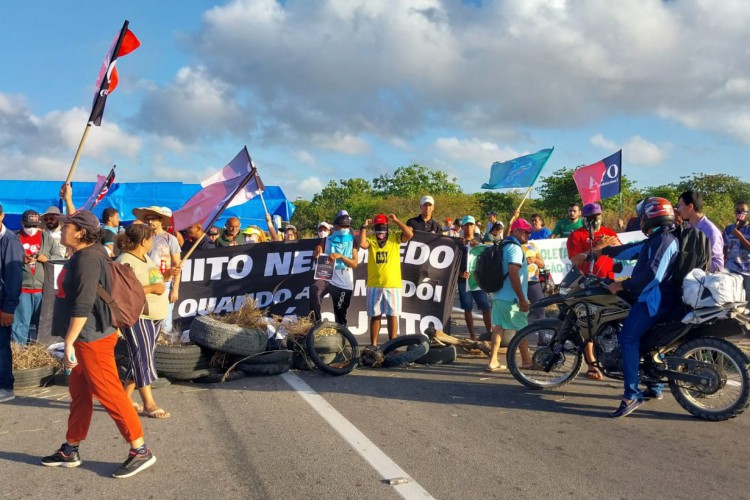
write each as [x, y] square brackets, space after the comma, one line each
[594, 222]
[341, 232]
[322, 234]
[31, 231]
[253, 238]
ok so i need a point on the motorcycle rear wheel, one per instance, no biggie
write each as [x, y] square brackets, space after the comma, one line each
[732, 393]
[564, 369]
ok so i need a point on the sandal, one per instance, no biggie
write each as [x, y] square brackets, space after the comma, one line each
[593, 373]
[138, 408]
[157, 413]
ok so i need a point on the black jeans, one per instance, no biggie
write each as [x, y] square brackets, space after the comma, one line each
[341, 299]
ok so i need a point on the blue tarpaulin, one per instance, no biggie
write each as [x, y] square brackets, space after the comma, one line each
[19, 196]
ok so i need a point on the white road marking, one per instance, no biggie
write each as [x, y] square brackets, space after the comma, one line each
[379, 461]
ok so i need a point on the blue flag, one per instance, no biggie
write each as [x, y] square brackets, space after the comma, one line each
[518, 173]
[610, 185]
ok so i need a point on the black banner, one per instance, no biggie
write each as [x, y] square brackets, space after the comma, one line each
[278, 275]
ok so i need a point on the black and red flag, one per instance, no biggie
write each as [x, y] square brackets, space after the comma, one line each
[100, 190]
[122, 45]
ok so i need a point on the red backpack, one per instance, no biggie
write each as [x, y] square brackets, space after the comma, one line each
[127, 302]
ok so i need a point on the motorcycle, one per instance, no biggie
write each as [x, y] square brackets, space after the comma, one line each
[707, 375]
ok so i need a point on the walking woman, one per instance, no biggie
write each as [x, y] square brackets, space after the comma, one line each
[134, 245]
[89, 348]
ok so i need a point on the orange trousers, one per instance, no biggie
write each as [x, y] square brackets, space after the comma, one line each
[96, 376]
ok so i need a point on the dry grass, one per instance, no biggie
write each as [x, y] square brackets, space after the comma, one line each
[33, 355]
[248, 316]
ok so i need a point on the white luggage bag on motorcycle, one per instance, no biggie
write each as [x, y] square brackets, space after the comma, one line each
[701, 289]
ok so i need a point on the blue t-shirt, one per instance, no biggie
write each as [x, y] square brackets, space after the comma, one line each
[542, 234]
[513, 254]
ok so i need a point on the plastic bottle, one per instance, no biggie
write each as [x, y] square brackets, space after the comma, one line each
[73, 360]
[163, 267]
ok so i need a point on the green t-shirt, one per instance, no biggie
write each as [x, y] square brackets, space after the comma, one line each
[564, 227]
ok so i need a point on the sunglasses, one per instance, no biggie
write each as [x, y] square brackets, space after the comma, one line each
[739, 212]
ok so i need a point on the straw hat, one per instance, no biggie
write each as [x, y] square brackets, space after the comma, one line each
[164, 213]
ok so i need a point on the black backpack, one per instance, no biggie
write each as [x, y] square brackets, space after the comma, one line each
[489, 268]
[693, 252]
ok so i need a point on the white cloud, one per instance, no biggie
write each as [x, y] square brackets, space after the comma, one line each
[343, 143]
[307, 188]
[473, 152]
[636, 150]
[304, 157]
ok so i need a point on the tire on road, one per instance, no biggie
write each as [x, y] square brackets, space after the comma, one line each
[343, 345]
[33, 377]
[438, 355]
[228, 338]
[420, 346]
[267, 369]
[181, 358]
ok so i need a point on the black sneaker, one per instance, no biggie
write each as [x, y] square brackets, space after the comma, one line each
[135, 464]
[60, 459]
[626, 409]
[650, 393]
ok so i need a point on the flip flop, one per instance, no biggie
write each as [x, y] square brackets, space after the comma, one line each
[499, 368]
[157, 413]
[138, 407]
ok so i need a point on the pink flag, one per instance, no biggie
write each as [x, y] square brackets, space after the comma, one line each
[100, 190]
[235, 184]
[588, 181]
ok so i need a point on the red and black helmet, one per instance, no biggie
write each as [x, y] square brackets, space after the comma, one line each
[655, 211]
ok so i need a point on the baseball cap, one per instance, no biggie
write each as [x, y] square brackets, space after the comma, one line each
[521, 224]
[468, 219]
[213, 231]
[30, 218]
[81, 218]
[52, 210]
[290, 227]
[427, 199]
[343, 220]
[591, 209]
[325, 225]
[380, 219]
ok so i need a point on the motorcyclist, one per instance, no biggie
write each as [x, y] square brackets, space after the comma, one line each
[652, 287]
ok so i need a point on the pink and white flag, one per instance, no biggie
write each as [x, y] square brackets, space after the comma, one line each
[236, 183]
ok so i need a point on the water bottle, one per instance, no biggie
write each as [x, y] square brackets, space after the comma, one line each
[73, 359]
[163, 267]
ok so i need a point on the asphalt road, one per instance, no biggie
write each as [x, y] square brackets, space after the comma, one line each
[453, 431]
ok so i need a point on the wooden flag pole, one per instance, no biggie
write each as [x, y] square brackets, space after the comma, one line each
[192, 249]
[78, 154]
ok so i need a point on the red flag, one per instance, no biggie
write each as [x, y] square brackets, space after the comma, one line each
[100, 190]
[588, 181]
[235, 184]
[122, 45]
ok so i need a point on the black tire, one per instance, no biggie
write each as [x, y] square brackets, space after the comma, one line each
[564, 369]
[343, 345]
[438, 355]
[179, 358]
[731, 394]
[303, 361]
[268, 357]
[33, 377]
[221, 377]
[267, 369]
[192, 375]
[224, 337]
[420, 343]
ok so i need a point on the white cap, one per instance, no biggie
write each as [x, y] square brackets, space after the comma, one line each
[325, 225]
[427, 199]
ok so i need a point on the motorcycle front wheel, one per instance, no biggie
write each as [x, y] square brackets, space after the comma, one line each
[530, 370]
[728, 394]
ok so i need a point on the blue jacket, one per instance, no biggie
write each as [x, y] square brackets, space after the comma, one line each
[11, 270]
[651, 281]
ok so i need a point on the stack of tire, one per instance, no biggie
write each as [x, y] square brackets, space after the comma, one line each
[247, 346]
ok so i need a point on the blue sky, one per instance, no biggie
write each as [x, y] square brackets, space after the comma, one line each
[322, 90]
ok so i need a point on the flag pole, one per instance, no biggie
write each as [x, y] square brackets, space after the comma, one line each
[192, 249]
[78, 154]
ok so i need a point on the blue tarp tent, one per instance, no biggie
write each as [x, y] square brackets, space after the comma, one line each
[19, 196]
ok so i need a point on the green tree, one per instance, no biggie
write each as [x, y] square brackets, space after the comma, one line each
[414, 181]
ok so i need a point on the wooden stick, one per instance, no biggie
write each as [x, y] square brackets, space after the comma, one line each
[78, 154]
[192, 249]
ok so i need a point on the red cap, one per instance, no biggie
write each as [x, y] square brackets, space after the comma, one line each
[380, 219]
[521, 224]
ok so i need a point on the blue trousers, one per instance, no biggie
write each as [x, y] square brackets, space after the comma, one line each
[6, 360]
[635, 326]
[27, 314]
